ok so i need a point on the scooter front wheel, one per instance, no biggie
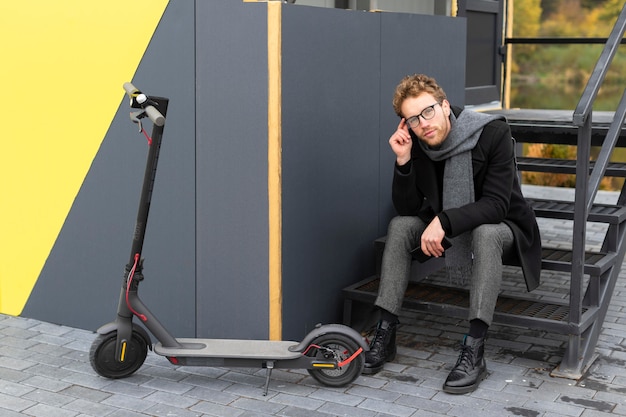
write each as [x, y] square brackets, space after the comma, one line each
[102, 355]
[340, 347]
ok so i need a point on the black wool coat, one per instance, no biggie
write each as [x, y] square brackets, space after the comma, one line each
[498, 196]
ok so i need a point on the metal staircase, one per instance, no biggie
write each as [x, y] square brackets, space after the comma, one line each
[588, 305]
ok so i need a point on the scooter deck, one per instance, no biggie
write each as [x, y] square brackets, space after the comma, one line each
[230, 348]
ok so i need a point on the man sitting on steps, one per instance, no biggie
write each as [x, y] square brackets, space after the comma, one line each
[454, 178]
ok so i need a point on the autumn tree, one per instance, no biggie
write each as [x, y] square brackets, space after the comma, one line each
[526, 24]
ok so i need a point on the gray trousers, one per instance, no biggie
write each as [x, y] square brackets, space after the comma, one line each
[489, 242]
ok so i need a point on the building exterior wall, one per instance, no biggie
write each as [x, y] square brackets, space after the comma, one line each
[210, 265]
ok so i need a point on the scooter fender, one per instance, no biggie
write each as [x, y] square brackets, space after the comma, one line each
[112, 326]
[329, 328]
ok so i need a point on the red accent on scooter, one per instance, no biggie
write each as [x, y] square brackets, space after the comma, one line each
[148, 138]
[130, 280]
[351, 358]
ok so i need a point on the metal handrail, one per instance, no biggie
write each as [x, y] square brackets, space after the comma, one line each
[610, 141]
[558, 41]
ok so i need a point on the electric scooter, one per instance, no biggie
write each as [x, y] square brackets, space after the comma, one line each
[333, 354]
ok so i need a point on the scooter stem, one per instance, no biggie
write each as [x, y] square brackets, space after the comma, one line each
[148, 181]
[129, 303]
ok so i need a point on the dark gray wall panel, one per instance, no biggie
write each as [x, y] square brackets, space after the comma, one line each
[81, 280]
[339, 72]
[331, 69]
[232, 252]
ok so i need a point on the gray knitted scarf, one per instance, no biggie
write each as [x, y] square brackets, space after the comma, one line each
[458, 183]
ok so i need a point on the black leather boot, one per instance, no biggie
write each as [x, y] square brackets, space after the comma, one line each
[470, 368]
[382, 347]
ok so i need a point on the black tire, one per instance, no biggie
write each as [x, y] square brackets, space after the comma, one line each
[102, 355]
[342, 348]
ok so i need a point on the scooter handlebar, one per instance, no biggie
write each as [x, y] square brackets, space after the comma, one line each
[140, 98]
[155, 115]
[130, 89]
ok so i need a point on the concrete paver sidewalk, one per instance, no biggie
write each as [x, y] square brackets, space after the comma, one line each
[45, 372]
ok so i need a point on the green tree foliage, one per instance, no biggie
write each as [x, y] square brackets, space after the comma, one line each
[571, 19]
[553, 76]
[526, 24]
[551, 6]
[526, 18]
[570, 64]
[610, 10]
[593, 4]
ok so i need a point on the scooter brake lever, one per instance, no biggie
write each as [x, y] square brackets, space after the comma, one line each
[136, 117]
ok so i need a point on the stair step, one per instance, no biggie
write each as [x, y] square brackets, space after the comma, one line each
[556, 126]
[553, 259]
[565, 166]
[596, 263]
[602, 213]
[454, 302]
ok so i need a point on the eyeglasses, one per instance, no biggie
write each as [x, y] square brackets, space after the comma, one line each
[426, 114]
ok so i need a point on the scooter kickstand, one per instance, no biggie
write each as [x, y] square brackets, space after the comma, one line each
[269, 365]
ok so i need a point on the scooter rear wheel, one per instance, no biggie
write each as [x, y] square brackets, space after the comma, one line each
[102, 355]
[341, 347]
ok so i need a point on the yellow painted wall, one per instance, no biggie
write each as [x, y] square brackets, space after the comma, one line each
[63, 65]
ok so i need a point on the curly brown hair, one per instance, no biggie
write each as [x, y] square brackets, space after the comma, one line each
[413, 86]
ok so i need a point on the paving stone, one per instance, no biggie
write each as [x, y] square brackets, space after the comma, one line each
[371, 381]
[164, 410]
[12, 363]
[555, 407]
[43, 382]
[339, 397]
[85, 393]
[301, 402]
[14, 352]
[244, 379]
[86, 380]
[291, 411]
[89, 407]
[346, 410]
[205, 382]
[51, 360]
[43, 410]
[126, 413]
[128, 402]
[8, 402]
[218, 410]
[410, 389]
[386, 407]
[254, 414]
[249, 391]
[179, 401]
[8, 413]
[427, 404]
[125, 387]
[48, 371]
[50, 398]
[295, 389]
[211, 395]
[251, 404]
[167, 385]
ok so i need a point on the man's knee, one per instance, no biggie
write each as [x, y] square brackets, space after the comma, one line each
[491, 237]
[404, 225]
